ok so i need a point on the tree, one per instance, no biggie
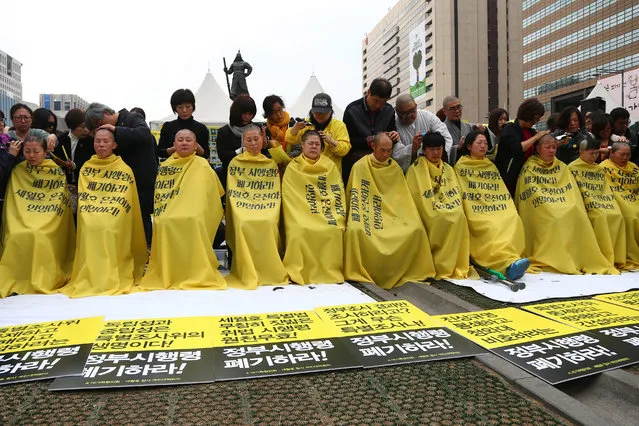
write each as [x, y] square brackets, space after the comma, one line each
[417, 61]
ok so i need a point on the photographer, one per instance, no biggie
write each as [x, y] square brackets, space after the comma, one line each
[570, 128]
[335, 140]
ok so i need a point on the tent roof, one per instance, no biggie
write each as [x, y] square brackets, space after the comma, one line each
[212, 104]
[302, 104]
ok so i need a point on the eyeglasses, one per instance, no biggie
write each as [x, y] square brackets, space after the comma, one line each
[455, 107]
[51, 124]
[21, 117]
[406, 113]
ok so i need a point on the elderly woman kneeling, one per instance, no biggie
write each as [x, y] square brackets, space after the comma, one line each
[437, 195]
[313, 206]
[559, 235]
[38, 236]
[188, 211]
[253, 202]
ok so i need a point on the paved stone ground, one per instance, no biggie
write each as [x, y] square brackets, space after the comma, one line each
[460, 392]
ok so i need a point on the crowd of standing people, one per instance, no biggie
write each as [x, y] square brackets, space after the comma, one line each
[312, 199]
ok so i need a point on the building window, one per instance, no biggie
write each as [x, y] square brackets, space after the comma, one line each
[57, 105]
[67, 105]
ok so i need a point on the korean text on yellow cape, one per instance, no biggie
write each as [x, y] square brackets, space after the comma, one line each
[187, 213]
[253, 202]
[111, 250]
[38, 235]
[437, 195]
[313, 207]
[385, 240]
[603, 210]
[558, 231]
[496, 231]
[624, 183]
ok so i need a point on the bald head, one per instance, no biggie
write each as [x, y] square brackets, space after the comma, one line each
[382, 147]
[404, 99]
[185, 132]
[185, 143]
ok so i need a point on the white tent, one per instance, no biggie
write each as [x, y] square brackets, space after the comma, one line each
[302, 104]
[212, 105]
[599, 91]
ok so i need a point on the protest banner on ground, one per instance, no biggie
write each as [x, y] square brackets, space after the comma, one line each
[147, 352]
[550, 350]
[628, 299]
[603, 319]
[274, 344]
[395, 332]
[46, 350]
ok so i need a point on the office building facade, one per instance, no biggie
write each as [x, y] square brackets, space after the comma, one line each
[436, 48]
[569, 44]
[10, 83]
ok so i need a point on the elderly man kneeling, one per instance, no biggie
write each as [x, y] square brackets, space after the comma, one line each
[188, 211]
[559, 235]
[385, 242]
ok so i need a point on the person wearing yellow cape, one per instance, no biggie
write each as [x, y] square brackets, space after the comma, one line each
[385, 242]
[253, 202]
[187, 213]
[496, 232]
[38, 234]
[314, 216]
[623, 177]
[559, 236]
[111, 250]
[603, 210]
[437, 195]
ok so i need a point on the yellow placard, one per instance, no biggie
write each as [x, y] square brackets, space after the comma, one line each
[274, 327]
[628, 299]
[153, 334]
[366, 318]
[496, 328]
[49, 334]
[587, 314]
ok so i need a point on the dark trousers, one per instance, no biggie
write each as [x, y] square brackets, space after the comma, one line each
[145, 195]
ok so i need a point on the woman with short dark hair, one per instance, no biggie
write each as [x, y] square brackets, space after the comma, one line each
[183, 104]
[497, 119]
[44, 119]
[601, 129]
[571, 124]
[517, 141]
[277, 118]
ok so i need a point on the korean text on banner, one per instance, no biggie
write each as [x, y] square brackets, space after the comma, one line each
[313, 207]
[188, 211]
[110, 231]
[385, 240]
[548, 198]
[629, 299]
[437, 195]
[38, 234]
[496, 232]
[253, 202]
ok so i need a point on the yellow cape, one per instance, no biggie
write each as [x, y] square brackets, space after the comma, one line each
[187, 213]
[558, 232]
[385, 240]
[496, 231]
[38, 235]
[253, 202]
[313, 207]
[437, 195]
[603, 210]
[624, 184]
[111, 250]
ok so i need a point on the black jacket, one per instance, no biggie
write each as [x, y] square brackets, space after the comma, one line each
[7, 163]
[84, 150]
[136, 146]
[170, 128]
[510, 155]
[360, 125]
[570, 152]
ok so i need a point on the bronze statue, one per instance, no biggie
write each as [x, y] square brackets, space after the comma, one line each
[240, 70]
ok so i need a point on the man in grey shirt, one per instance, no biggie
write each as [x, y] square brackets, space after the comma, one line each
[411, 123]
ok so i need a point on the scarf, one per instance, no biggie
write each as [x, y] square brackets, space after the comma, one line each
[238, 130]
